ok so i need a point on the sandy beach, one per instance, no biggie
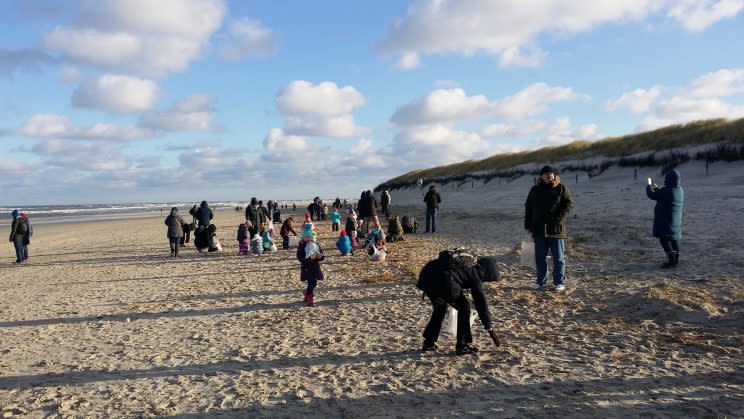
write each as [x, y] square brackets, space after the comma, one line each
[100, 322]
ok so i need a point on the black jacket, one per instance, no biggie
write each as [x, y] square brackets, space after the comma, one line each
[448, 285]
[204, 215]
[363, 206]
[256, 216]
[546, 209]
[433, 199]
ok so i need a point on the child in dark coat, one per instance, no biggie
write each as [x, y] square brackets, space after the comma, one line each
[243, 239]
[310, 254]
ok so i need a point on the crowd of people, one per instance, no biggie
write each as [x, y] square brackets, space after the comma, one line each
[443, 280]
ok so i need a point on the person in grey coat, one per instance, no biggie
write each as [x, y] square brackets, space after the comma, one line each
[175, 231]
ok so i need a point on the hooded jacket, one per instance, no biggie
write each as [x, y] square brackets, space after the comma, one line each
[174, 223]
[432, 199]
[546, 209]
[385, 199]
[343, 244]
[204, 214]
[19, 227]
[447, 285]
[256, 214]
[363, 205]
[668, 210]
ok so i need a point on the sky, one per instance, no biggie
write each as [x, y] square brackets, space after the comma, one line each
[119, 101]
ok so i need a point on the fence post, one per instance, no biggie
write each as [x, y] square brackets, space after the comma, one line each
[577, 178]
[635, 174]
[706, 168]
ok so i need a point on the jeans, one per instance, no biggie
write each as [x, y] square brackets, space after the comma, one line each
[20, 249]
[175, 244]
[669, 245]
[557, 249]
[431, 220]
[461, 304]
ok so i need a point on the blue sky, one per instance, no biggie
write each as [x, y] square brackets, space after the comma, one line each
[184, 100]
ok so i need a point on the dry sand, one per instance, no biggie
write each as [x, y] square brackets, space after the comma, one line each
[101, 322]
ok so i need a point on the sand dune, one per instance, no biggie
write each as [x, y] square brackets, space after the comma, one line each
[101, 322]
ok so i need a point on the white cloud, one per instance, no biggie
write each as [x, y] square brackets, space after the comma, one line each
[511, 131]
[325, 99]
[322, 110]
[28, 60]
[506, 28]
[60, 127]
[451, 105]
[361, 147]
[687, 109]
[563, 132]
[697, 15]
[519, 57]
[248, 38]
[723, 82]
[15, 167]
[69, 75]
[116, 94]
[193, 113]
[279, 144]
[212, 159]
[637, 101]
[152, 38]
[438, 144]
[409, 61]
[82, 155]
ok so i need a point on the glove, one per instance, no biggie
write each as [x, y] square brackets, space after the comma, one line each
[494, 337]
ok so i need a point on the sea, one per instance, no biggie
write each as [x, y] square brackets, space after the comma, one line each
[51, 214]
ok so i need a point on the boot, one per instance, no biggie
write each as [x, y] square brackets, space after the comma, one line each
[675, 257]
[310, 300]
[670, 261]
[304, 293]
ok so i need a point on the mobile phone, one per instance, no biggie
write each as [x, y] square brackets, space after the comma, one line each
[649, 181]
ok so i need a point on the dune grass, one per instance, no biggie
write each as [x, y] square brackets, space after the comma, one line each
[725, 137]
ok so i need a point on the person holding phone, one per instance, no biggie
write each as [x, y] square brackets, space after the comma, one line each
[668, 214]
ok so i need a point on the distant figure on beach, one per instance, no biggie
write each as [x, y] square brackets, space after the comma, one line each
[175, 231]
[20, 235]
[204, 216]
[545, 212]
[432, 200]
[242, 238]
[337, 203]
[410, 225]
[367, 209]
[351, 227]
[385, 203]
[445, 285]
[668, 215]
[335, 219]
[395, 229]
[287, 227]
[294, 207]
[310, 254]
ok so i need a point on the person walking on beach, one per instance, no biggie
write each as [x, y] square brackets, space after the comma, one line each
[175, 231]
[19, 231]
[310, 254]
[385, 203]
[545, 211]
[335, 219]
[257, 215]
[432, 200]
[445, 287]
[668, 215]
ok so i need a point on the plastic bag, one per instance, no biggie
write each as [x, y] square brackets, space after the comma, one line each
[294, 242]
[449, 327]
[527, 251]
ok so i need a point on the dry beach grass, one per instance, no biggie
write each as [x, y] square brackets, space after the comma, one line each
[101, 322]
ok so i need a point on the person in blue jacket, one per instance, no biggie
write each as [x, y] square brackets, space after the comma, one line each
[668, 215]
[344, 244]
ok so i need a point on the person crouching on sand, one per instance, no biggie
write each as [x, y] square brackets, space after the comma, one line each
[344, 244]
[242, 238]
[175, 231]
[310, 254]
[446, 287]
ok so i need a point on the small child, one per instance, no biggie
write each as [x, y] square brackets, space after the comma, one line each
[242, 239]
[351, 228]
[287, 227]
[256, 246]
[267, 242]
[344, 244]
[335, 219]
[377, 250]
[310, 255]
[308, 220]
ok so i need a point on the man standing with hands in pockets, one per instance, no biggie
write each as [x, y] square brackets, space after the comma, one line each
[545, 212]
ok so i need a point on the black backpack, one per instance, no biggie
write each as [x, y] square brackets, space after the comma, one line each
[460, 257]
[22, 227]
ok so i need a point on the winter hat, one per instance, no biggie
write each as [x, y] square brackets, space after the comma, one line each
[307, 216]
[174, 211]
[343, 232]
[547, 169]
[490, 269]
[254, 201]
[15, 213]
[204, 203]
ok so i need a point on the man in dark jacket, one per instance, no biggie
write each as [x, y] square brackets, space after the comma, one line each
[204, 216]
[257, 215]
[432, 200]
[668, 215]
[545, 212]
[446, 287]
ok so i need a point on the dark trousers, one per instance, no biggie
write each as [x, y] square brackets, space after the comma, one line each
[334, 227]
[186, 237]
[20, 249]
[669, 245]
[461, 304]
[431, 220]
[285, 242]
[175, 244]
[311, 284]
